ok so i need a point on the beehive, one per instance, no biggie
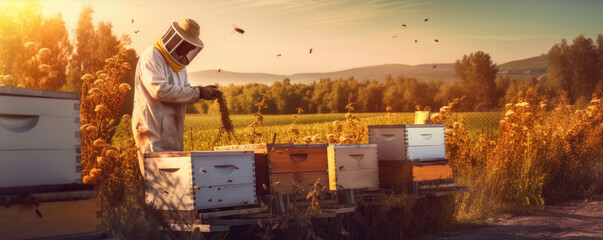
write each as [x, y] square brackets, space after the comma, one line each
[40, 140]
[291, 168]
[294, 168]
[199, 180]
[262, 178]
[416, 142]
[353, 166]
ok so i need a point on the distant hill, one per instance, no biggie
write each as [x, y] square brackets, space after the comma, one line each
[444, 72]
[525, 64]
[529, 67]
[524, 68]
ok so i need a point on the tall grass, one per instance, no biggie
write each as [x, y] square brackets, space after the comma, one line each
[539, 157]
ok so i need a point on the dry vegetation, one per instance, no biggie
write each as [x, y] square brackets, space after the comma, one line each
[541, 155]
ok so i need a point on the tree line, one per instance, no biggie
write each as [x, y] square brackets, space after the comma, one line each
[37, 52]
[575, 69]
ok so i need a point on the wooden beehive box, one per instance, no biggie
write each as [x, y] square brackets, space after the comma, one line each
[262, 177]
[291, 168]
[353, 166]
[294, 168]
[427, 172]
[49, 211]
[40, 140]
[416, 142]
[199, 180]
[396, 174]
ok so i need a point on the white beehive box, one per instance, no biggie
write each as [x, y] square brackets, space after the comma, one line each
[353, 166]
[421, 142]
[40, 141]
[199, 180]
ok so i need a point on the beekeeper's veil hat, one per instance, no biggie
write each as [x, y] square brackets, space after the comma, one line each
[182, 41]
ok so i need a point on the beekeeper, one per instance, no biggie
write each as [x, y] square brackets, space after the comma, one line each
[162, 90]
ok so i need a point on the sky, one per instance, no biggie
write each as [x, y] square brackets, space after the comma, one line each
[347, 34]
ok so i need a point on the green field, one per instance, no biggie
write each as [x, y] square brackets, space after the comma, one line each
[201, 130]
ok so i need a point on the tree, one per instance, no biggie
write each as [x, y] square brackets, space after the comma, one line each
[33, 49]
[476, 74]
[576, 68]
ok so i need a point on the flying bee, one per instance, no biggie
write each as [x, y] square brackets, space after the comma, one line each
[436, 40]
[403, 25]
[434, 66]
[264, 186]
[278, 55]
[219, 69]
[277, 183]
[310, 50]
[137, 31]
[238, 29]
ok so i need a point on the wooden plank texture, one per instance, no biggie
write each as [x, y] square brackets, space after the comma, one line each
[299, 182]
[225, 196]
[38, 167]
[353, 157]
[262, 176]
[297, 159]
[57, 218]
[425, 136]
[395, 174]
[12, 91]
[28, 106]
[357, 179]
[432, 172]
[223, 170]
[391, 142]
[39, 132]
[426, 152]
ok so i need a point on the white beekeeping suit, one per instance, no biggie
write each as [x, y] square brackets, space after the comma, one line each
[162, 90]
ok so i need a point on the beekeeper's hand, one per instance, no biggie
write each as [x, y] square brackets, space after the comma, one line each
[209, 92]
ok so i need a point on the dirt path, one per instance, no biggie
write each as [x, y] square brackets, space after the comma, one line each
[575, 220]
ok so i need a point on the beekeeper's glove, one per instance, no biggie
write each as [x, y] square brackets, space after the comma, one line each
[209, 92]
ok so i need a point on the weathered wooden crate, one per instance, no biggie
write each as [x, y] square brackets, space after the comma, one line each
[353, 166]
[49, 214]
[419, 142]
[40, 140]
[199, 180]
[292, 168]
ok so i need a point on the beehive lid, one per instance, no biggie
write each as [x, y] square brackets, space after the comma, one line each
[194, 154]
[406, 126]
[352, 145]
[26, 92]
[292, 145]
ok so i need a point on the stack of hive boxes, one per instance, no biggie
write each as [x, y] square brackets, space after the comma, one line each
[287, 168]
[40, 166]
[40, 140]
[199, 180]
[420, 146]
